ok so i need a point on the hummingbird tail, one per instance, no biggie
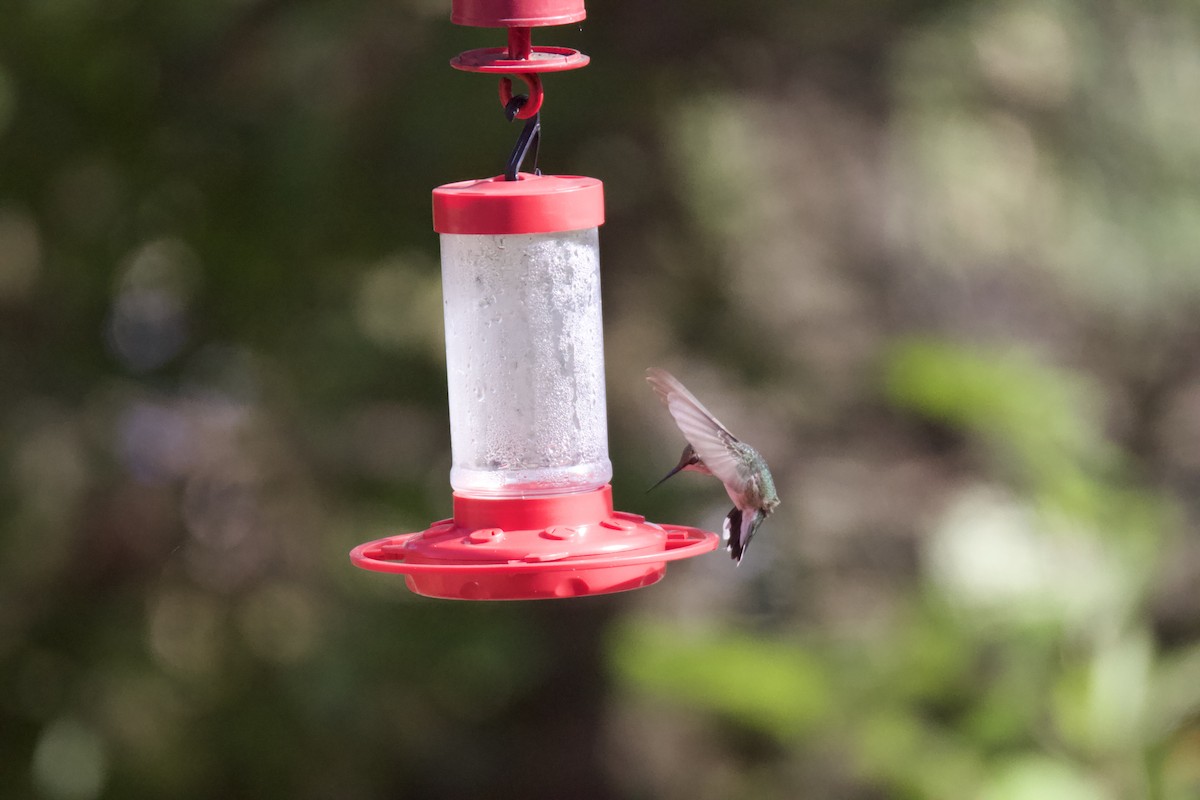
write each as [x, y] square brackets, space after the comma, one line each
[739, 530]
[733, 532]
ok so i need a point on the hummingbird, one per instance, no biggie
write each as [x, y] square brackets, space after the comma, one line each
[713, 450]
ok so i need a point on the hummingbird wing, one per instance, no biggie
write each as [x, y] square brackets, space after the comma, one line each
[711, 440]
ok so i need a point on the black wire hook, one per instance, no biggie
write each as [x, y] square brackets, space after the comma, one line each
[530, 138]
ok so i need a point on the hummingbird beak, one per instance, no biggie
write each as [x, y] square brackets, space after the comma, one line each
[678, 467]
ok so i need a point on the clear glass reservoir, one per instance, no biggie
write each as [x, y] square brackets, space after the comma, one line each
[525, 362]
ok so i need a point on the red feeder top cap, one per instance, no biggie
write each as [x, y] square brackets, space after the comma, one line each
[530, 204]
[516, 13]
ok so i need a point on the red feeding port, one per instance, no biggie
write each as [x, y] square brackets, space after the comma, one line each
[528, 548]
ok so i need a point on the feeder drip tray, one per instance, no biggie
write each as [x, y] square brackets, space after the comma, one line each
[533, 548]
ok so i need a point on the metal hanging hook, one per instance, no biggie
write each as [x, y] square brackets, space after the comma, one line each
[530, 138]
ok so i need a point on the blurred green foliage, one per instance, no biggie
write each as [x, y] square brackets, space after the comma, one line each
[939, 261]
[767, 684]
[1026, 665]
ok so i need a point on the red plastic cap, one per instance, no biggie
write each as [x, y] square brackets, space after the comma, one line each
[516, 13]
[531, 204]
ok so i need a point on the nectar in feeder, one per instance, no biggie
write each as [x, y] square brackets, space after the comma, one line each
[524, 337]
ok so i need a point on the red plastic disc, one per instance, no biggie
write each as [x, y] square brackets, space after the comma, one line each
[516, 13]
[531, 204]
[541, 59]
[534, 548]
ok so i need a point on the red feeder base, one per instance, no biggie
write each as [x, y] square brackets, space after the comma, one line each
[534, 548]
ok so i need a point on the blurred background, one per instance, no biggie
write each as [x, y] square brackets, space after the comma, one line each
[939, 261]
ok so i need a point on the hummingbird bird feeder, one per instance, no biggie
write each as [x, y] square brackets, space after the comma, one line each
[533, 511]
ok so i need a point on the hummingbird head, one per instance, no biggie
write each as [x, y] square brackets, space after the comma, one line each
[689, 461]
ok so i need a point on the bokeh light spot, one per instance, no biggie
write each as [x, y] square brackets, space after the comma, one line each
[51, 471]
[280, 623]
[156, 442]
[185, 632]
[399, 304]
[69, 762]
[20, 246]
[148, 323]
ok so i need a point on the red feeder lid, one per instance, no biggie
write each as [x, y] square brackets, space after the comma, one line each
[530, 204]
[516, 13]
